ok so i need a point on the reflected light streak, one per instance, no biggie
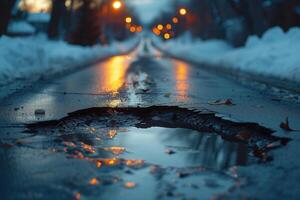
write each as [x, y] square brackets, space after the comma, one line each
[113, 73]
[182, 85]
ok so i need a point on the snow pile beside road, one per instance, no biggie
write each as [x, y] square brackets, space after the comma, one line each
[196, 49]
[20, 27]
[275, 55]
[31, 58]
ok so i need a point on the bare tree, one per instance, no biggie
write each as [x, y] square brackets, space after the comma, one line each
[6, 7]
[57, 17]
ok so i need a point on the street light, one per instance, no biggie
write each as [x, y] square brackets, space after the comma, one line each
[175, 20]
[117, 5]
[160, 27]
[169, 26]
[167, 36]
[128, 20]
[182, 11]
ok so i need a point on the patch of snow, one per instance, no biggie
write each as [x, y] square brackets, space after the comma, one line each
[275, 55]
[38, 17]
[33, 57]
[20, 27]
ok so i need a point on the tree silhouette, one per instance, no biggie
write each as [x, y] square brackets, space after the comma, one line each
[6, 7]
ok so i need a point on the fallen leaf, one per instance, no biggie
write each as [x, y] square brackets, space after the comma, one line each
[170, 151]
[285, 125]
[93, 181]
[130, 185]
[227, 102]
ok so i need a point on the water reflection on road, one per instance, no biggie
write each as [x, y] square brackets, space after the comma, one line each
[181, 74]
[113, 73]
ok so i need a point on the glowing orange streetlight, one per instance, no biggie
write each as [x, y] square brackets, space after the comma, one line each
[128, 20]
[156, 31]
[139, 29]
[117, 5]
[169, 26]
[175, 20]
[160, 27]
[167, 36]
[132, 29]
[182, 11]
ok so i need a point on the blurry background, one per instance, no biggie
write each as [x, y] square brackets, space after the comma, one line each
[87, 22]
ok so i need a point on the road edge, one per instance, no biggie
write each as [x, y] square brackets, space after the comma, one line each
[288, 85]
[22, 85]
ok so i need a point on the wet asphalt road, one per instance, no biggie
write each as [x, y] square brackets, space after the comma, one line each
[141, 78]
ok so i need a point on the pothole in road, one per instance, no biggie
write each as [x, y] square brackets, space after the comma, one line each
[172, 142]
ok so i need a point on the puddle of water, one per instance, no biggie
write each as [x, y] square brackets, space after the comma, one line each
[179, 148]
[133, 163]
[174, 163]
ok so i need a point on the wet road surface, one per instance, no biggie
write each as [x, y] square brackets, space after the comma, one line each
[126, 162]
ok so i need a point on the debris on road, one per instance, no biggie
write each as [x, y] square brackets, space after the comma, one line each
[39, 112]
[227, 102]
[170, 151]
[130, 185]
[167, 95]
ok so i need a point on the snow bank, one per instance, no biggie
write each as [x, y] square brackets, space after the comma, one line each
[38, 17]
[275, 55]
[21, 27]
[35, 57]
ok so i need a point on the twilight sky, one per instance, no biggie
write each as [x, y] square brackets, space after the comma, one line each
[148, 9]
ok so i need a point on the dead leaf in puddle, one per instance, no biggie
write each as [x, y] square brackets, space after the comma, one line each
[285, 125]
[227, 102]
[130, 185]
[170, 151]
[94, 181]
[167, 95]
